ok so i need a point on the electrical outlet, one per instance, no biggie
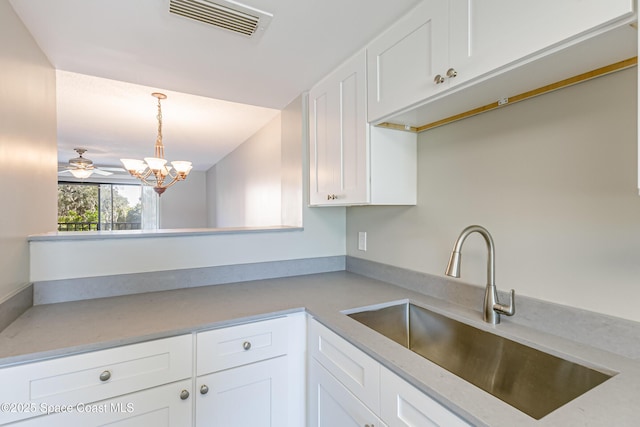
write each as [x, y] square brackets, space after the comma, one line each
[362, 240]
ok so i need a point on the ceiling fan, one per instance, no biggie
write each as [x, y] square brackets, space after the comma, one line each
[81, 167]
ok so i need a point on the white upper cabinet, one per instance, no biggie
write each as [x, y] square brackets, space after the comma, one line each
[444, 47]
[485, 35]
[351, 163]
[404, 61]
[338, 134]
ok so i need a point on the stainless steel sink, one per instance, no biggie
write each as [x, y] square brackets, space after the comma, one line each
[530, 380]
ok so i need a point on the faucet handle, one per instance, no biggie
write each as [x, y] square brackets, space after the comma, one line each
[507, 310]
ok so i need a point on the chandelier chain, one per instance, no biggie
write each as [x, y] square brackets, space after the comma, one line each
[159, 149]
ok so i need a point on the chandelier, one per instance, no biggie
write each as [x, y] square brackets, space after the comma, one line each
[153, 171]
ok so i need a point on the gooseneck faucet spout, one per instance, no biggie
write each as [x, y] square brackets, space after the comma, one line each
[492, 308]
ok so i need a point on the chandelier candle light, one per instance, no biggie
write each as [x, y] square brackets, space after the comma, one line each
[156, 166]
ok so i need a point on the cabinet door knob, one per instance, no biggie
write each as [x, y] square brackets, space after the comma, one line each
[105, 376]
[246, 345]
[438, 79]
[184, 394]
[204, 389]
[331, 197]
[451, 73]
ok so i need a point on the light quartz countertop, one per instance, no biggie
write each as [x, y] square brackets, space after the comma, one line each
[169, 232]
[53, 330]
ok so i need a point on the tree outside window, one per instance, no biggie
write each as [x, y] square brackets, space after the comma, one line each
[92, 207]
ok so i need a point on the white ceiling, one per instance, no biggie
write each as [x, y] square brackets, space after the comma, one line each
[111, 54]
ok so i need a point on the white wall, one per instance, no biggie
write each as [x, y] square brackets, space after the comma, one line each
[248, 181]
[554, 179]
[244, 188]
[184, 205]
[323, 235]
[211, 197]
[294, 131]
[28, 156]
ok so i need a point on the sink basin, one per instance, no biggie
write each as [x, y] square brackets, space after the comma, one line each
[530, 380]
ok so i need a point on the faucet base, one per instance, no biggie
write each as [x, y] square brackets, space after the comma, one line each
[489, 314]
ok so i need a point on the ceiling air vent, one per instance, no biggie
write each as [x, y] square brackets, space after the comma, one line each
[229, 15]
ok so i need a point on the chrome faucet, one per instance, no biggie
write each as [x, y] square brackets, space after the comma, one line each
[492, 308]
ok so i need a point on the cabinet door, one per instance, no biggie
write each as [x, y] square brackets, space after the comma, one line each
[331, 404]
[405, 406]
[157, 407]
[403, 62]
[338, 135]
[249, 396]
[488, 34]
[359, 373]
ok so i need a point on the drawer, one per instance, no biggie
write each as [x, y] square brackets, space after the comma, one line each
[94, 376]
[240, 345]
[359, 373]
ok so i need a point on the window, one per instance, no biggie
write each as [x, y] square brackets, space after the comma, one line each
[92, 207]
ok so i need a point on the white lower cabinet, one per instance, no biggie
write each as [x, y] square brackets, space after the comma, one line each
[331, 404]
[358, 372]
[248, 396]
[252, 375]
[343, 382]
[169, 405]
[32, 389]
[349, 388]
[403, 405]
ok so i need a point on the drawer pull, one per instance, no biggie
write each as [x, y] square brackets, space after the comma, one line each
[105, 376]
[246, 345]
[184, 394]
[204, 389]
